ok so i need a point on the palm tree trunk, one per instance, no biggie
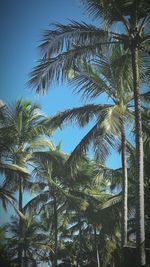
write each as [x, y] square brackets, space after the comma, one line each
[20, 249]
[55, 231]
[95, 246]
[25, 259]
[80, 241]
[124, 189]
[140, 228]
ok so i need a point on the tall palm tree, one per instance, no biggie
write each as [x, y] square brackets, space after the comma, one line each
[105, 74]
[66, 43]
[21, 125]
[49, 169]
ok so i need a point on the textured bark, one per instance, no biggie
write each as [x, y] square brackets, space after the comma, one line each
[55, 231]
[125, 190]
[140, 228]
[20, 249]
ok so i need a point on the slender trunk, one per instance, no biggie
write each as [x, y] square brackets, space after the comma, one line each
[95, 237]
[80, 242]
[96, 247]
[125, 190]
[55, 231]
[140, 229]
[98, 259]
[25, 259]
[20, 248]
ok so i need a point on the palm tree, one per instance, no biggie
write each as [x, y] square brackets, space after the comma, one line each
[33, 241]
[21, 125]
[63, 46]
[90, 213]
[49, 169]
[91, 80]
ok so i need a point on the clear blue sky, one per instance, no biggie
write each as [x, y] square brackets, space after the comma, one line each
[21, 25]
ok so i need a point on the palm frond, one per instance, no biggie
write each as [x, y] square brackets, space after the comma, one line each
[65, 36]
[5, 196]
[61, 48]
[55, 69]
[36, 202]
[86, 80]
[41, 143]
[112, 12]
[80, 115]
[99, 139]
[114, 200]
[7, 168]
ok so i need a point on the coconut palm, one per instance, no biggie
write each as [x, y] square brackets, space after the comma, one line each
[90, 214]
[91, 80]
[21, 125]
[48, 169]
[33, 241]
[66, 43]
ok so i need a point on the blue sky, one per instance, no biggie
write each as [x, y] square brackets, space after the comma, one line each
[22, 23]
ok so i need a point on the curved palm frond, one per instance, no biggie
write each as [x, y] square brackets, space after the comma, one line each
[61, 48]
[80, 115]
[7, 168]
[101, 135]
[100, 140]
[86, 80]
[65, 36]
[37, 201]
[110, 73]
[56, 68]
[112, 201]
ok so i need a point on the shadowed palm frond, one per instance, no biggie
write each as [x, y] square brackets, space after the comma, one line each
[114, 11]
[5, 196]
[100, 136]
[46, 157]
[61, 48]
[55, 69]
[98, 139]
[37, 202]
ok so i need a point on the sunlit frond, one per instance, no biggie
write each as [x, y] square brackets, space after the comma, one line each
[8, 168]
